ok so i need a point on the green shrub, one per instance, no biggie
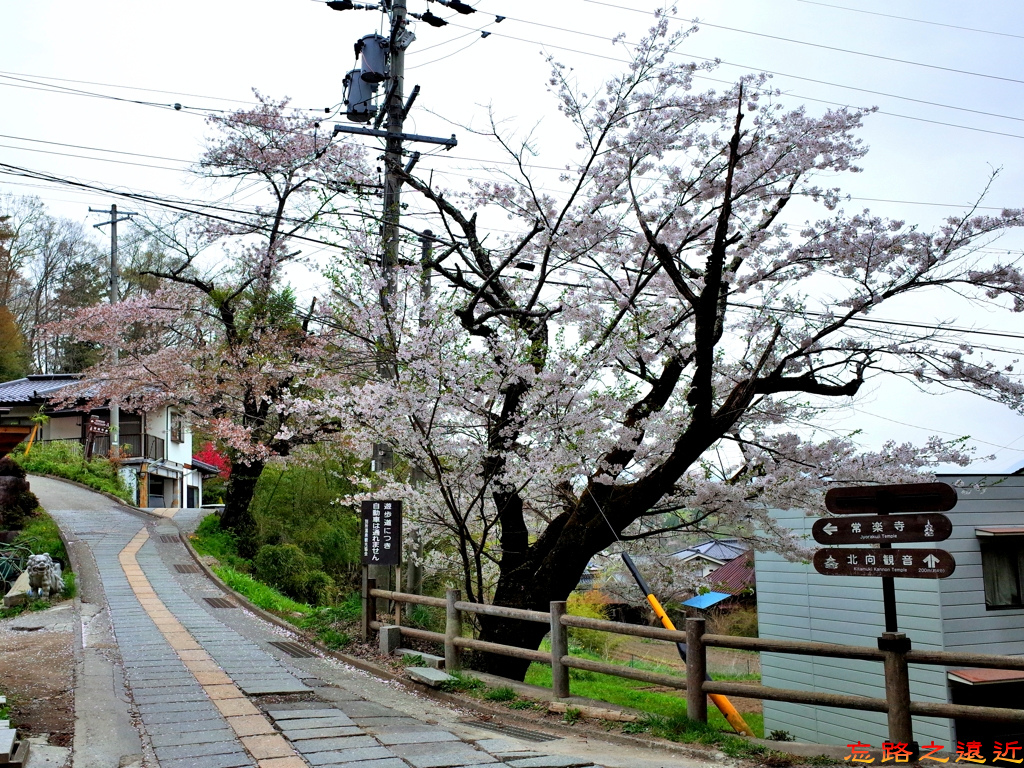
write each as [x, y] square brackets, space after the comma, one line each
[284, 567]
[210, 539]
[462, 682]
[296, 503]
[66, 459]
[319, 588]
[330, 625]
[591, 605]
[42, 535]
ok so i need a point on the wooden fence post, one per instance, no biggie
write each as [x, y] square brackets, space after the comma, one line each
[696, 671]
[897, 688]
[369, 607]
[452, 629]
[559, 648]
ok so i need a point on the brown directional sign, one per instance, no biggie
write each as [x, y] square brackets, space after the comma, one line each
[880, 499]
[882, 529]
[899, 563]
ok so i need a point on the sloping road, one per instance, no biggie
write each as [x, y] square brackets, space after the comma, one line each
[172, 674]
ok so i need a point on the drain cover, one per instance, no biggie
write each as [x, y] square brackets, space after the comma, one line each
[294, 650]
[186, 568]
[512, 730]
[219, 602]
[166, 539]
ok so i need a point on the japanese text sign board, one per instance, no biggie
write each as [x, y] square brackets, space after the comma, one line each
[882, 529]
[882, 499]
[98, 426]
[382, 532]
[900, 563]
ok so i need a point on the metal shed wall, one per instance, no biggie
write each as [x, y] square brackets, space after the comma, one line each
[794, 602]
[966, 624]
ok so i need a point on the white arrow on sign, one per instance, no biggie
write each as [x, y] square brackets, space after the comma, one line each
[931, 561]
[829, 528]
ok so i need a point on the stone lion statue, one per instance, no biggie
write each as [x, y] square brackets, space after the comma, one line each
[44, 578]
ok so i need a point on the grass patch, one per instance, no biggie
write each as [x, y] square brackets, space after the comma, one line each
[209, 539]
[504, 693]
[331, 625]
[67, 460]
[462, 683]
[259, 594]
[41, 534]
[678, 727]
[632, 693]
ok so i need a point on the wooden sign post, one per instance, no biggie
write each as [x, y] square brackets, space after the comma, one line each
[875, 523]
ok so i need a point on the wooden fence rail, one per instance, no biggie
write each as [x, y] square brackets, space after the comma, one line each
[893, 652]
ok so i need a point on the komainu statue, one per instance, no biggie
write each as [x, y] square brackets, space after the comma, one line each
[44, 577]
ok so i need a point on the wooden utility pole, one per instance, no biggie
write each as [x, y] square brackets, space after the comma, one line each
[115, 274]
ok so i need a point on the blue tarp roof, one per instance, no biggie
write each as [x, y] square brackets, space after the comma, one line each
[706, 600]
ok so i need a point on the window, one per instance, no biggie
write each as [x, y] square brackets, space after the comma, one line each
[1002, 565]
[177, 427]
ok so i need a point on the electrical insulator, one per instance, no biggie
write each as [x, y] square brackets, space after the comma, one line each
[359, 97]
[373, 50]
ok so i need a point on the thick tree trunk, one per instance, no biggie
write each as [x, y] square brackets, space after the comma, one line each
[238, 517]
[550, 571]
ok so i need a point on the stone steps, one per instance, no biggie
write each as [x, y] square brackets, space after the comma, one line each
[429, 659]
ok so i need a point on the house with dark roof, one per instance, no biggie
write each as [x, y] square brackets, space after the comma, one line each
[736, 577]
[711, 555]
[155, 447]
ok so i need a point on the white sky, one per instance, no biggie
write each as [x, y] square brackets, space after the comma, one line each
[218, 51]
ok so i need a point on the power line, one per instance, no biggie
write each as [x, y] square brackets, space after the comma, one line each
[818, 45]
[908, 18]
[95, 149]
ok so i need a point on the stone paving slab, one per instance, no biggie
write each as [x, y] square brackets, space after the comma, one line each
[426, 736]
[316, 711]
[393, 762]
[306, 746]
[362, 754]
[233, 760]
[550, 761]
[173, 739]
[316, 722]
[441, 755]
[366, 709]
[321, 733]
[271, 687]
[380, 723]
[199, 750]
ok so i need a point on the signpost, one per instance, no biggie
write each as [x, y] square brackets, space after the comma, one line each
[382, 532]
[96, 427]
[875, 523]
[888, 563]
[882, 529]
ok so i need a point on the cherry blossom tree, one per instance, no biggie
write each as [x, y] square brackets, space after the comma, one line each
[223, 336]
[638, 347]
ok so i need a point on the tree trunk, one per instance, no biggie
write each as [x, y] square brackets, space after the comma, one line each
[551, 571]
[238, 517]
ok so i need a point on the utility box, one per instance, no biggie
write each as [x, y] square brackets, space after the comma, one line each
[373, 53]
[359, 97]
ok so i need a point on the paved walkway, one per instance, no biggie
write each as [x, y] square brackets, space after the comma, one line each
[204, 688]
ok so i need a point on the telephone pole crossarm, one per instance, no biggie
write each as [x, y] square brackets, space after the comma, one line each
[449, 143]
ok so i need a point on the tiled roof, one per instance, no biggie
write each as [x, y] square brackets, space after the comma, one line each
[33, 389]
[722, 550]
[734, 577]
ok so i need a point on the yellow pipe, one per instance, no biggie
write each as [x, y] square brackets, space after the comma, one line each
[724, 705]
[31, 439]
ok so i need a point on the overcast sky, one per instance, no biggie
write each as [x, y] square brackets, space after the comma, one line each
[927, 160]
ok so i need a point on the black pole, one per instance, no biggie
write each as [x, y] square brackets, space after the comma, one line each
[888, 583]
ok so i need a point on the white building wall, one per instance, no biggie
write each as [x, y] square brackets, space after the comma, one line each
[797, 603]
[63, 428]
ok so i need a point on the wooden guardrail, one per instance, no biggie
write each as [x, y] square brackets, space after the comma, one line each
[893, 651]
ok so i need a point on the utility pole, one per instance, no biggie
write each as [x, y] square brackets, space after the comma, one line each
[115, 273]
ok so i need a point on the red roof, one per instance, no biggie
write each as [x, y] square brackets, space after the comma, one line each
[734, 577]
